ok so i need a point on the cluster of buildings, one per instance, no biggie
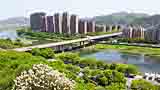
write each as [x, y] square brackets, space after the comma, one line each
[65, 23]
[151, 34]
[133, 32]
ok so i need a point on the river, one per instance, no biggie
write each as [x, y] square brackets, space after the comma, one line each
[12, 34]
[144, 63]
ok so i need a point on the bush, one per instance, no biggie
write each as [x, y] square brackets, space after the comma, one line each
[9, 44]
[124, 68]
[11, 65]
[46, 52]
[117, 86]
[142, 85]
[69, 57]
[42, 77]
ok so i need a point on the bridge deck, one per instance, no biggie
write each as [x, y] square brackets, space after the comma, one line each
[66, 42]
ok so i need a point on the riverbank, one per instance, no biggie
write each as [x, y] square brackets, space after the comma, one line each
[147, 51]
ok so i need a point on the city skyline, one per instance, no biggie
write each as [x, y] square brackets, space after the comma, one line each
[62, 23]
[82, 8]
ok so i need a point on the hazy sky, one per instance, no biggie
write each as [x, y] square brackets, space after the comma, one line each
[84, 8]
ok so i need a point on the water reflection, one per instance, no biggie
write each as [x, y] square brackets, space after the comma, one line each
[4, 34]
[145, 63]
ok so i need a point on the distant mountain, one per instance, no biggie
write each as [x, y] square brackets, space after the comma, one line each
[148, 21]
[115, 18]
[119, 18]
[14, 22]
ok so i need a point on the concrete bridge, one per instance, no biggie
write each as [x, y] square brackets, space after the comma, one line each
[58, 44]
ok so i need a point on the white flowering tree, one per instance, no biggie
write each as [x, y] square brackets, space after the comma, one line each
[43, 77]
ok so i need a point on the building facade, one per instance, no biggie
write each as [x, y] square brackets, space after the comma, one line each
[44, 24]
[82, 27]
[36, 21]
[152, 34]
[50, 24]
[74, 24]
[91, 26]
[58, 23]
[65, 23]
[133, 32]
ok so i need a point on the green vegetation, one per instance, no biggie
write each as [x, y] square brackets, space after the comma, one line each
[143, 85]
[43, 77]
[9, 44]
[12, 64]
[148, 21]
[147, 51]
[45, 37]
[94, 74]
[46, 52]
[119, 18]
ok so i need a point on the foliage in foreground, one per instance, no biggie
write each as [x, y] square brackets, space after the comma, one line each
[43, 77]
[88, 73]
[12, 64]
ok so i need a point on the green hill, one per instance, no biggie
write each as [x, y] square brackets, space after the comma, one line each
[119, 18]
[148, 21]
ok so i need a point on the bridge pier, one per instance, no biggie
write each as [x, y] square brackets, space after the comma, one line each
[60, 48]
[82, 44]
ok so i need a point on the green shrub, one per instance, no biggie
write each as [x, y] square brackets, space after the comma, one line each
[46, 52]
[142, 85]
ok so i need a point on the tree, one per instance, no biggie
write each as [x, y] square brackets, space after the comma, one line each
[132, 69]
[122, 68]
[69, 57]
[113, 66]
[114, 77]
[46, 52]
[142, 85]
[42, 77]
[103, 81]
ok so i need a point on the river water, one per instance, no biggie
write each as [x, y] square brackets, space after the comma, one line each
[12, 34]
[144, 63]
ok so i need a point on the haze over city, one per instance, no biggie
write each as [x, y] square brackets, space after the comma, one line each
[84, 8]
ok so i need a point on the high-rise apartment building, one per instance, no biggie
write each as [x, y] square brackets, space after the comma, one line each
[133, 32]
[152, 34]
[58, 23]
[74, 24]
[44, 24]
[91, 26]
[82, 27]
[36, 21]
[50, 24]
[65, 23]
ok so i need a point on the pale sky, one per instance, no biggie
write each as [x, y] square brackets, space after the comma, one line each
[83, 8]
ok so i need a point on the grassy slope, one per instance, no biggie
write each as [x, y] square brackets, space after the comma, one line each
[131, 49]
